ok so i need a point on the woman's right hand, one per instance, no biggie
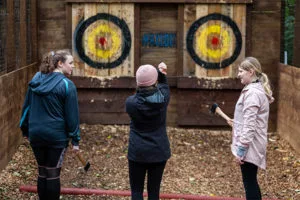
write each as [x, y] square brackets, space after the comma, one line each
[230, 122]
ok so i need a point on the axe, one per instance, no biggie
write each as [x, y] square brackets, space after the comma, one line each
[85, 163]
[216, 109]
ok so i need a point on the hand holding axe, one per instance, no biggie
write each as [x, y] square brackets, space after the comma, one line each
[215, 109]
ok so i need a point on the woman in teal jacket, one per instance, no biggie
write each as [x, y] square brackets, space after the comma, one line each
[50, 117]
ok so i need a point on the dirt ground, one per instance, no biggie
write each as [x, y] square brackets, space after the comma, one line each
[201, 163]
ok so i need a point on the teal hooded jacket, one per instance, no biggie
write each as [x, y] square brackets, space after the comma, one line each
[50, 114]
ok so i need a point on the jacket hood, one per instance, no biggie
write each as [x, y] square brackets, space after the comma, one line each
[149, 102]
[258, 86]
[152, 96]
[42, 84]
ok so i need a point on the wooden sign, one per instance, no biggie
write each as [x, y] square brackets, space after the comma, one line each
[164, 40]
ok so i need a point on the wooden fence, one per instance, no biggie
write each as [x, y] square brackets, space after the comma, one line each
[18, 57]
[13, 87]
[289, 105]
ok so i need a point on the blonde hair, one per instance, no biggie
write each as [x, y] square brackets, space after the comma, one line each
[50, 60]
[252, 63]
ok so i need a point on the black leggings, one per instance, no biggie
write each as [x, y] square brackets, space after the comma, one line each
[137, 173]
[49, 163]
[249, 174]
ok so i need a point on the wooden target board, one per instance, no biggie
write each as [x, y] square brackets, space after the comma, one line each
[214, 39]
[210, 46]
[102, 39]
[108, 39]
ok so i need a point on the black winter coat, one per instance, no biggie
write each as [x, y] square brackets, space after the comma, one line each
[148, 140]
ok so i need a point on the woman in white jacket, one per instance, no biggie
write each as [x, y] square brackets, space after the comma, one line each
[250, 124]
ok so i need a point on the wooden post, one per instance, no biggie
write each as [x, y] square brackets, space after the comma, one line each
[10, 49]
[33, 27]
[23, 34]
[180, 33]
[137, 33]
[69, 25]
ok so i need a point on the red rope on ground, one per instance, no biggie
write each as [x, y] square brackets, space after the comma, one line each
[86, 191]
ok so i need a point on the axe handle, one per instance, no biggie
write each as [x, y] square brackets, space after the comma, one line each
[82, 160]
[222, 114]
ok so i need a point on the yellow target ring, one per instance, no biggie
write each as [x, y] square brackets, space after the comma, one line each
[114, 39]
[225, 40]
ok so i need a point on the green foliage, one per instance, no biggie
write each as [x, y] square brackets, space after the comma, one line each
[289, 25]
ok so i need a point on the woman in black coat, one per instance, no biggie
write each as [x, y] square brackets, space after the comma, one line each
[149, 147]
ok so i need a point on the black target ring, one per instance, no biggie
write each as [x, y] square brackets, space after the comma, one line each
[78, 40]
[191, 37]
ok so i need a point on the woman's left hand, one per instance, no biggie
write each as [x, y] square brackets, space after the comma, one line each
[162, 67]
[75, 150]
[239, 161]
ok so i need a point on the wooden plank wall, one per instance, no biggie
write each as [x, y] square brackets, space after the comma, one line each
[10, 49]
[296, 57]
[3, 14]
[51, 26]
[18, 34]
[13, 87]
[162, 1]
[104, 106]
[262, 40]
[197, 95]
[18, 64]
[156, 19]
[263, 35]
[289, 105]
[197, 105]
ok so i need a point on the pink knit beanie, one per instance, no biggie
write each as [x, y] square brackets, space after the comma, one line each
[146, 75]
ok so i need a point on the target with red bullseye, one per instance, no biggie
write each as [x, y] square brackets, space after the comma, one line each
[102, 41]
[214, 41]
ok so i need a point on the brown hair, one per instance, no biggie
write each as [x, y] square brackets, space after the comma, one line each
[50, 60]
[252, 63]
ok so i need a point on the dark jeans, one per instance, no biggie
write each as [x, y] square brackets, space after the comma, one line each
[137, 173]
[249, 174]
[49, 163]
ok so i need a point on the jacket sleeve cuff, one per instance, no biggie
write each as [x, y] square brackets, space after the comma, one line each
[75, 136]
[242, 144]
[161, 77]
[241, 151]
[75, 143]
